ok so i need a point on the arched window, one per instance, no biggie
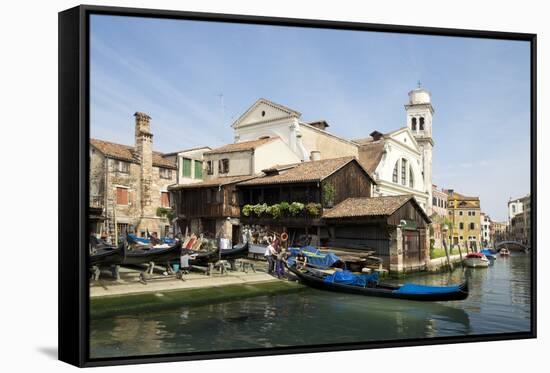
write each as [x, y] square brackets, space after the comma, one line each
[411, 177]
[472, 226]
[413, 124]
[421, 123]
[394, 176]
[404, 171]
[460, 225]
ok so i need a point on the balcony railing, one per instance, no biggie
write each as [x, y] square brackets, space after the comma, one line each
[96, 201]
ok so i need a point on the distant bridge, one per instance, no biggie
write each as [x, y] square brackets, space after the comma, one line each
[512, 243]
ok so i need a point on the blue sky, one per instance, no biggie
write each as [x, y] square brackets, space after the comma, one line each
[357, 81]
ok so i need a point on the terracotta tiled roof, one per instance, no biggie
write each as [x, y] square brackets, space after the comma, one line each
[241, 146]
[370, 154]
[461, 197]
[126, 153]
[216, 182]
[376, 206]
[300, 172]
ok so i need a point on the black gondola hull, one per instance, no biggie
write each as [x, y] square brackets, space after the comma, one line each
[106, 256]
[238, 251]
[158, 255]
[383, 291]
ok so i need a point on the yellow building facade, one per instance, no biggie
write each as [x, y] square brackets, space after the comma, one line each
[464, 214]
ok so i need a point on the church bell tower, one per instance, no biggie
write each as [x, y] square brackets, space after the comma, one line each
[419, 120]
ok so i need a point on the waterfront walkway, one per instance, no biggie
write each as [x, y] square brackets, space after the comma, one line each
[129, 281]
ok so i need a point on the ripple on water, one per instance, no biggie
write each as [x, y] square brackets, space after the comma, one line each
[499, 302]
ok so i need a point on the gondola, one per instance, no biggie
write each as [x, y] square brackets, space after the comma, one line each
[154, 254]
[372, 287]
[237, 251]
[104, 254]
[200, 257]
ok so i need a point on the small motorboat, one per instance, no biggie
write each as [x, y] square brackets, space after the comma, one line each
[489, 254]
[476, 260]
[368, 284]
[504, 252]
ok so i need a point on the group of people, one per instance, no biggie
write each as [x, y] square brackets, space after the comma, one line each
[276, 256]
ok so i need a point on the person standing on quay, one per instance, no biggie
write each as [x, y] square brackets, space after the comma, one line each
[270, 255]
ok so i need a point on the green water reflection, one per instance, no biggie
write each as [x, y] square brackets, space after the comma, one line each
[499, 302]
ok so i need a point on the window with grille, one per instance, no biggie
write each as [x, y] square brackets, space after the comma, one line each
[165, 173]
[223, 166]
[394, 176]
[121, 166]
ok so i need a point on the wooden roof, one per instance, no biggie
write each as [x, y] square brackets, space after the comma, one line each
[367, 206]
[215, 182]
[127, 153]
[242, 146]
[303, 172]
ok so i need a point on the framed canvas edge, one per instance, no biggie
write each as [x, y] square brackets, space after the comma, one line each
[73, 103]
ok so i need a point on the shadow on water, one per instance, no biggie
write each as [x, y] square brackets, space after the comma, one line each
[499, 302]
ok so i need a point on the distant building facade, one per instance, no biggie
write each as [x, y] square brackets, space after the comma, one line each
[189, 163]
[129, 185]
[439, 215]
[269, 119]
[464, 214]
[519, 214]
[486, 230]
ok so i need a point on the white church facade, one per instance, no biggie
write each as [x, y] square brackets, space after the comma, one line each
[399, 161]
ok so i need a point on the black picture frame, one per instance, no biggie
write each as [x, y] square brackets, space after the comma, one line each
[73, 181]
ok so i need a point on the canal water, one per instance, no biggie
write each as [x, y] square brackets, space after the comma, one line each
[499, 302]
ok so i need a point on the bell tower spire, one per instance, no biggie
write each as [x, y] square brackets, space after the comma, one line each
[420, 113]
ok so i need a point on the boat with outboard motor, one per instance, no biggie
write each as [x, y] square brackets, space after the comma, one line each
[368, 284]
[476, 260]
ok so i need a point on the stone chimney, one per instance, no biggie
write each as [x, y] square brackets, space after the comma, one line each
[315, 155]
[144, 155]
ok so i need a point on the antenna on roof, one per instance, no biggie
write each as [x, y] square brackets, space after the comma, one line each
[222, 106]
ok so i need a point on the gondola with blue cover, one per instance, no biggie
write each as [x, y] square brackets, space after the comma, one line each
[368, 284]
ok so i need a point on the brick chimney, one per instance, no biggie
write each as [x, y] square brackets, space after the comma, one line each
[144, 155]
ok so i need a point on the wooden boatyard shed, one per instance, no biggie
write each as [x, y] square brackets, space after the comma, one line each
[322, 183]
[210, 207]
[395, 227]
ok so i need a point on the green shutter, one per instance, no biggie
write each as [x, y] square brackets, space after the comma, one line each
[198, 170]
[186, 168]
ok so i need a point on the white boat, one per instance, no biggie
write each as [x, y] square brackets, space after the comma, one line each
[476, 260]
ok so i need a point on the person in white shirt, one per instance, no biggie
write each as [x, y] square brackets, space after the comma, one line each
[270, 255]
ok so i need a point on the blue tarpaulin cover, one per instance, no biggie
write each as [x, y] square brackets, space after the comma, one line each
[314, 257]
[143, 240]
[425, 289]
[348, 278]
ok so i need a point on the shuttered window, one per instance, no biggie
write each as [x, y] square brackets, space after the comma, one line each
[198, 170]
[165, 199]
[186, 167]
[121, 196]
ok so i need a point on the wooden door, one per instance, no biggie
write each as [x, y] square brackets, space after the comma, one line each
[411, 247]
